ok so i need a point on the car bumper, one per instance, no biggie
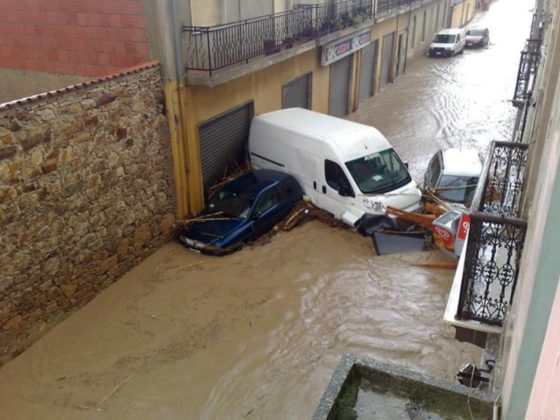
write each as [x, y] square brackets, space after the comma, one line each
[208, 249]
[440, 53]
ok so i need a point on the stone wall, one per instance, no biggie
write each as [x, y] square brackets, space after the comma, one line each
[85, 194]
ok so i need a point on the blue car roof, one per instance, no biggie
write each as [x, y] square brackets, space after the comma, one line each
[255, 181]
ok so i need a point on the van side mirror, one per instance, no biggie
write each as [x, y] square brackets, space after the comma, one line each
[406, 165]
[345, 190]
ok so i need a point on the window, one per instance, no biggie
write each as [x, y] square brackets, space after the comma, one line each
[457, 189]
[424, 26]
[379, 172]
[230, 204]
[268, 200]
[435, 168]
[413, 42]
[336, 178]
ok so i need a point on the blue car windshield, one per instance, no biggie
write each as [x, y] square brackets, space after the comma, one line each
[379, 173]
[230, 204]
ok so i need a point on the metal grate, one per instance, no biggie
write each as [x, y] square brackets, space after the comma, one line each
[496, 236]
[210, 48]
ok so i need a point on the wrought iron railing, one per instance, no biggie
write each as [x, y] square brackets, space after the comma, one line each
[496, 236]
[211, 48]
[527, 73]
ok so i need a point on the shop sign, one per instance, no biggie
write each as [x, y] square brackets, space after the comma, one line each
[341, 48]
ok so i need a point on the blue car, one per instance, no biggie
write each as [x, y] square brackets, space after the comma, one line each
[242, 210]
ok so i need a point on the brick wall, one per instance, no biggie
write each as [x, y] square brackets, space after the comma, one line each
[85, 194]
[78, 37]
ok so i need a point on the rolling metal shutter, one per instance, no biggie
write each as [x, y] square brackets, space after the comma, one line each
[340, 86]
[386, 76]
[297, 93]
[222, 143]
[367, 72]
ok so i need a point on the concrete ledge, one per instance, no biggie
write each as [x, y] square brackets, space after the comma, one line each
[203, 78]
[366, 365]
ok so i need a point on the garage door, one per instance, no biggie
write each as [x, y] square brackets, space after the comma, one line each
[340, 87]
[367, 71]
[222, 143]
[386, 76]
[297, 93]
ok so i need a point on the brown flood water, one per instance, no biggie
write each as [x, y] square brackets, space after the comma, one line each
[253, 335]
[258, 334]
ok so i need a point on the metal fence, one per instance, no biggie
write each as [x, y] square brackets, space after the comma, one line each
[210, 48]
[496, 236]
[527, 72]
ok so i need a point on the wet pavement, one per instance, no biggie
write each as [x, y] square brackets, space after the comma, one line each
[257, 334]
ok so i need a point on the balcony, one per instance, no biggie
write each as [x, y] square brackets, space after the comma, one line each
[496, 237]
[213, 48]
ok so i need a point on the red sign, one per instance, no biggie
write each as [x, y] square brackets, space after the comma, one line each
[444, 237]
[464, 225]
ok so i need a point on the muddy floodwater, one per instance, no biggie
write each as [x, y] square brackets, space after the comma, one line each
[253, 335]
[257, 334]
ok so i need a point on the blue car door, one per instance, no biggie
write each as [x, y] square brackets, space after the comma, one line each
[268, 211]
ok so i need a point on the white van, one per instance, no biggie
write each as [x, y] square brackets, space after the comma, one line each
[448, 42]
[346, 168]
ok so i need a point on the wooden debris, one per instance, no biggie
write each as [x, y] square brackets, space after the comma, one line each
[424, 220]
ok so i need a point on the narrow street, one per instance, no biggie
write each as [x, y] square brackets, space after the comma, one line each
[257, 334]
[463, 101]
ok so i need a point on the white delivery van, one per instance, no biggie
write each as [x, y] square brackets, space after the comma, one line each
[345, 168]
[448, 42]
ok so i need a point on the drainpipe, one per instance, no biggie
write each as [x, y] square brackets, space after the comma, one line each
[407, 34]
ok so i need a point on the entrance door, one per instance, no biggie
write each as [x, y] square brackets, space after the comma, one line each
[339, 90]
[222, 143]
[401, 54]
[386, 76]
[367, 72]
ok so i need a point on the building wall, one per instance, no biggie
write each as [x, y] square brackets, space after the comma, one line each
[21, 83]
[264, 87]
[462, 13]
[87, 38]
[206, 12]
[544, 403]
[85, 194]
[527, 334]
[46, 45]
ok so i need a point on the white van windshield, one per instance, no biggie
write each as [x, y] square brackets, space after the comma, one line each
[379, 172]
[444, 39]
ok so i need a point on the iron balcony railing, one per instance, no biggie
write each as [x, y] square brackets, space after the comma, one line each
[496, 236]
[527, 73]
[210, 48]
